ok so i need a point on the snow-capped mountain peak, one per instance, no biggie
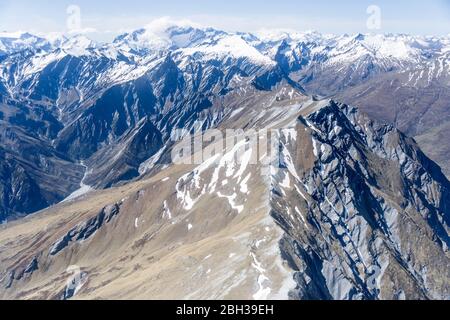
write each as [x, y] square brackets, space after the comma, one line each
[229, 45]
[78, 45]
[11, 42]
[164, 34]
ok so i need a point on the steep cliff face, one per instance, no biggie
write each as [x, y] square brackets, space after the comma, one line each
[329, 205]
[366, 214]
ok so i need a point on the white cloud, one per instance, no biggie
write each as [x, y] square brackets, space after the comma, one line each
[160, 25]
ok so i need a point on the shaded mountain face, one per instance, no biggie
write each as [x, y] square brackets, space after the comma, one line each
[340, 207]
[33, 175]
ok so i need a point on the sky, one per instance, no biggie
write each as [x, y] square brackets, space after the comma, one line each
[105, 19]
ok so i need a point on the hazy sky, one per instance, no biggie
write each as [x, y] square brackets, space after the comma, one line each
[105, 19]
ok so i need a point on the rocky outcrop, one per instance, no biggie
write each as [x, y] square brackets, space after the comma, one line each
[86, 229]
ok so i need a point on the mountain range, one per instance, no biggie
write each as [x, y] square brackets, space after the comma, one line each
[356, 205]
